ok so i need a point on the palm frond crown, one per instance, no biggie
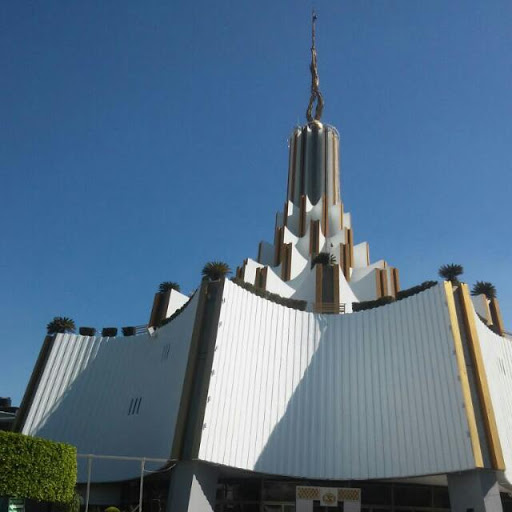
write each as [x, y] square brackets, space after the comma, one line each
[215, 270]
[488, 289]
[61, 324]
[451, 272]
[167, 286]
[323, 258]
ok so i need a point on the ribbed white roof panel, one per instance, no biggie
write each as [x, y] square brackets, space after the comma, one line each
[497, 358]
[114, 396]
[367, 395]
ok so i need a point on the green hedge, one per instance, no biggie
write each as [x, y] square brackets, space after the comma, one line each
[272, 297]
[404, 294]
[409, 292]
[36, 468]
[371, 304]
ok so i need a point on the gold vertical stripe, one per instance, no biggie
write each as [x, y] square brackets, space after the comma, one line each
[334, 169]
[336, 283]
[287, 262]
[378, 284]
[278, 237]
[263, 278]
[291, 170]
[326, 171]
[341, 215]
[336, 190]
[155, 310]
[342, 258]
[392, 282]
[346, 261]
[314, 237]
[488, 316]
[318, 288]
[325, 216]
[349, 242]
[484, 395]
[464, 381]
[302, 218]
[396, 280]
[497, 319]
[257, 278]
[367, 254]
[384, 281]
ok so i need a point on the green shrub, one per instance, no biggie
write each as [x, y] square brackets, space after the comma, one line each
[370, 304]
[36, 468]
[72, 506]
[112, 509]
[272, 297]
[409, 292]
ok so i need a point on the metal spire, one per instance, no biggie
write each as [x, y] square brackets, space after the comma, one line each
[315, 80]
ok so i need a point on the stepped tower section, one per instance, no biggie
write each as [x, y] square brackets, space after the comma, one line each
[313, 226]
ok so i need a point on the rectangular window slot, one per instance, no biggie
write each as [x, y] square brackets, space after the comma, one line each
[134, 406]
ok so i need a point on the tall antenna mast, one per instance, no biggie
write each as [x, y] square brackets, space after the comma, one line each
[315, 80]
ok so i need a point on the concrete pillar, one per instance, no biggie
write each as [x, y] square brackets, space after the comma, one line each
[474, 491]
[193, 487]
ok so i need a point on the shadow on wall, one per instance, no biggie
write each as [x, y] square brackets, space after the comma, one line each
[112, 403]
[379, 398]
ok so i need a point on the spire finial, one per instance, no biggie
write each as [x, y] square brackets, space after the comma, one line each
[315, 80]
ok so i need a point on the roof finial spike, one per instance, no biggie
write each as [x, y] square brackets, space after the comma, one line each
[315, 80]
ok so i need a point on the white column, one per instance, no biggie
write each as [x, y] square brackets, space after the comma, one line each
[474, 491]
[193, 487]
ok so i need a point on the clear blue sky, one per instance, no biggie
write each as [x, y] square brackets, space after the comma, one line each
[140, 140]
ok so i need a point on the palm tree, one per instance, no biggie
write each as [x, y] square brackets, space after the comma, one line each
[451, 272]
[488, 289]
[167, 286]
[61, 324]
[323, 258]
[215, 270]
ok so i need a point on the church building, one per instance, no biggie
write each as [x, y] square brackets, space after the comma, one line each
[310, 381]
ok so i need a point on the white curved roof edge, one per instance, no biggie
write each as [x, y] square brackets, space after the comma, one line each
[497, 359]
[250, 270]
[176, 301]
[361, 272]
[276, 285]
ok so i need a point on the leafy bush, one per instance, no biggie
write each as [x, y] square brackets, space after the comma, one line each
[272, 297]
[370, 304]
[87, 331]
[167, 286]
[323, 258]
[36, 469]
[403, 294]
[72, 506]
[488, 289]
[112, 509]
[61, 324]
[451, 272]
[215, 270]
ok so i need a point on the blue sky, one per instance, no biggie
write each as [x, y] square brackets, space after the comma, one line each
[140, 140]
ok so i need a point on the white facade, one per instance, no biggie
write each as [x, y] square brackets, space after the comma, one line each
[373, 394]
[114, 396]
